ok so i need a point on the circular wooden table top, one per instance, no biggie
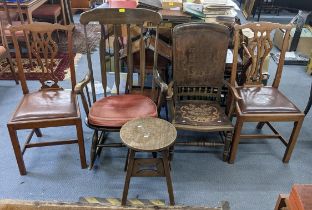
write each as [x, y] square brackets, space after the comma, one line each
[148, 134]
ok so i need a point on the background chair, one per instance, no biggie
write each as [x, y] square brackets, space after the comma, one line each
[5, 52]
[51, 106]
[109, 113]
[194, 95]
[51, 12]
[254, 102]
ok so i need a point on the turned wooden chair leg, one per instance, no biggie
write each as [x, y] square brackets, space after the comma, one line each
[227, 145]
[93, 149]
[17, 150]
[235, 140]
[168, 176]
[128, 177]
[260, 125]
[81, 145]
[308, 107]
[292, 140]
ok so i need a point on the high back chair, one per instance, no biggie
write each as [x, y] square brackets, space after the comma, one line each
[5, 52]
[194, 95]
[254, 102]
[51, 106]
[109, 113]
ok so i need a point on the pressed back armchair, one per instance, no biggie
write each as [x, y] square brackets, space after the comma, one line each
[194, 95]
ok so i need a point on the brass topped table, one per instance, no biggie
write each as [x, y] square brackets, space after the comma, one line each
[148, 135]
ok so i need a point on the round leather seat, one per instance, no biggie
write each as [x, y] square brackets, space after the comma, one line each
[115, 111]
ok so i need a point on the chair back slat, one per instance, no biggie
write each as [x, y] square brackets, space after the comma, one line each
[89, 63]
[116, 57]
[102, 53]
[129, 59]
[43, 51]
[142, 59]
[129, 36]
[199, 55]
[258, 46]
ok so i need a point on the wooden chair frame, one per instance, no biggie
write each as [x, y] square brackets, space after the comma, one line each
[205, 91]
[42, 43]
[254, 77]
[116, 18]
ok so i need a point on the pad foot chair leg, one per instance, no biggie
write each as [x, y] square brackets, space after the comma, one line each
[292, 141]
[81, 145]
[235, 141]
[17, 151]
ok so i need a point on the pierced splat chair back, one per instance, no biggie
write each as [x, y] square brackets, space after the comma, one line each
[199, 54]
[257, 49]
[44, 54]
[120, 23]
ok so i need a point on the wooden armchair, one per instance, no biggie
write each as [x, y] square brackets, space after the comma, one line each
[254, 102]
[199, 54]
[109, 113]
[5, 53]
[51, 106]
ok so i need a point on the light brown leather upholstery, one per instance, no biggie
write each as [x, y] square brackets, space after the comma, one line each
[114, 111]
[46, 104]
[47, 10]
[265, 100]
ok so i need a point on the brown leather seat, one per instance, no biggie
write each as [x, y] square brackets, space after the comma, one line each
[114, 111]
[265, 100]
[46, 104]
[47, 10]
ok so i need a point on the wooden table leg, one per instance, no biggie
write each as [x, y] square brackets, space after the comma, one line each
[128, 177]
[168, 176]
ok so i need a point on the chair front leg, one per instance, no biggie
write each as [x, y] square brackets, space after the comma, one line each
[236, 138]
[93, 149]
[17, 150]
[227, 145]
[292, 140]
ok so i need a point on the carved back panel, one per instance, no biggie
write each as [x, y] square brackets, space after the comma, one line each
[257, 47]
[117, 24]
[199, 55]
[43, 52]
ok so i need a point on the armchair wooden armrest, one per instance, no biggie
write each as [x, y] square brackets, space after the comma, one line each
[159, 81]
[233, 90]
[79, 91]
